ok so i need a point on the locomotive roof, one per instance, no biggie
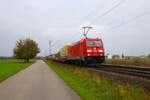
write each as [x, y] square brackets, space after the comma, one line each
[90, 39]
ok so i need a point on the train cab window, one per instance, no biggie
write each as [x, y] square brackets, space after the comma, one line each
[94, 43]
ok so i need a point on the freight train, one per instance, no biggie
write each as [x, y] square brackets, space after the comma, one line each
[85, 51]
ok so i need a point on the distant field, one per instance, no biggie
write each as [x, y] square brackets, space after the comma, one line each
[10, 67]
[143, 62]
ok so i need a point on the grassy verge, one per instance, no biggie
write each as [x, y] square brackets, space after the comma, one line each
[145, 62]
[10, 67]
[91, 86]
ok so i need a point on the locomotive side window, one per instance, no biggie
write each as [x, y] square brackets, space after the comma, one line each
[94, 43]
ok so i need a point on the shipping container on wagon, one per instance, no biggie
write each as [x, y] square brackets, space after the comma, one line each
[64, 51]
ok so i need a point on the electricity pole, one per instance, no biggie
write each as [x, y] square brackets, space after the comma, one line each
[50, 47]
[86, 29]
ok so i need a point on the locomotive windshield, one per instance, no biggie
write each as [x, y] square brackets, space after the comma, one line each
[94, 43]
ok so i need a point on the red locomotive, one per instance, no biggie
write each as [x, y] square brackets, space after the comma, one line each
[87, 51]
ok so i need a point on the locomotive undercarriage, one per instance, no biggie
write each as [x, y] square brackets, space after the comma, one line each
[94, 59]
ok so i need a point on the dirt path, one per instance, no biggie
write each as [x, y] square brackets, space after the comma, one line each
[38, 82]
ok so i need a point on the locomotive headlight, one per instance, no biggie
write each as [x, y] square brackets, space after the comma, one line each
[89, 54]
[89, 50]
[100, 50]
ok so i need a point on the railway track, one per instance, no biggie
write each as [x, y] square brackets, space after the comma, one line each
[132, 71]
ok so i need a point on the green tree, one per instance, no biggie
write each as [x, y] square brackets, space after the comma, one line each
[26, 49]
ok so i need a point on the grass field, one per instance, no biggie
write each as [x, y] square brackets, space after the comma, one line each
[91, 86]
[143, 62]
[10, 67]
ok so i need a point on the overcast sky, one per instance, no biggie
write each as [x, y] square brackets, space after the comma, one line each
[60, 21]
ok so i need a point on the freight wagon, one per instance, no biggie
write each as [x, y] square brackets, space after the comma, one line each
[85, 51]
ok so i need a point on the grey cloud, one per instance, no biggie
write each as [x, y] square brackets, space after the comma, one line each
[60, 22]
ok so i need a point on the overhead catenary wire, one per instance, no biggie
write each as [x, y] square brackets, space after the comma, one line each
[129, 13]
[91, 13]
[108, 11]
[105, 13]
[124, 22]
[120, 24]
[128, 21]
[93, 10]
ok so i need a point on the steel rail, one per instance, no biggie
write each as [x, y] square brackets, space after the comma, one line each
[132, 71]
